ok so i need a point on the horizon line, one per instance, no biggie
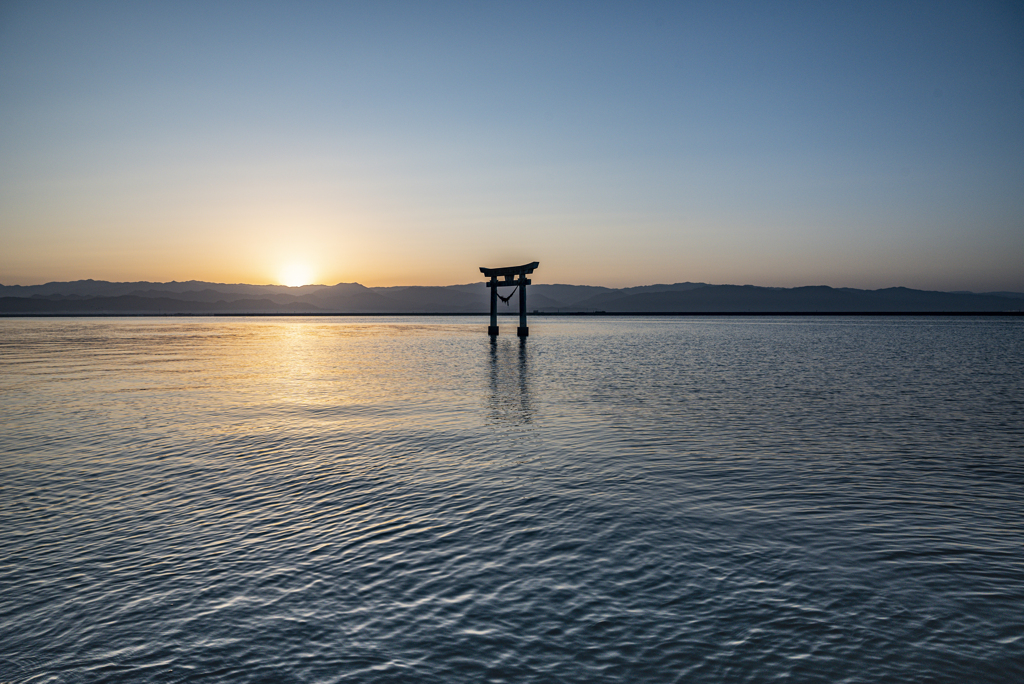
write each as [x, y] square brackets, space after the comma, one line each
[483, 283]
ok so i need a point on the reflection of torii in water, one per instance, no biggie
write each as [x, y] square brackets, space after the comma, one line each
[509, 274]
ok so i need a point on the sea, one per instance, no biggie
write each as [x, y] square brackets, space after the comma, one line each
[612, 499]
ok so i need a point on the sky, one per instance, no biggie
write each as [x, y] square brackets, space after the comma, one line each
[782, 144]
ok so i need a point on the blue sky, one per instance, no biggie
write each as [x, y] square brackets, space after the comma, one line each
[862, 145]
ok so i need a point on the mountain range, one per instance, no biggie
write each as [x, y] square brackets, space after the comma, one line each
[97, 297]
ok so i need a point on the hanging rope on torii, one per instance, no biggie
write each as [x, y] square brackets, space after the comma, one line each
[507, 299]
[511, 276]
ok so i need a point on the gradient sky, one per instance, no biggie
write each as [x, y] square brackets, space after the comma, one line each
[844, 144]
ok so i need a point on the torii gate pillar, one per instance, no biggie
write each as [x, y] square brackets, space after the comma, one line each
[511, 276]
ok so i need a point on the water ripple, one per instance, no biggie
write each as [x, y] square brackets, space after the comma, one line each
[404, 500]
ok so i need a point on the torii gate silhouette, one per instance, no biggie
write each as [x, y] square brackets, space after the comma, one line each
[509, 273]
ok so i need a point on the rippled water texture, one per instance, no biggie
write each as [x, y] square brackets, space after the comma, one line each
[400, 500]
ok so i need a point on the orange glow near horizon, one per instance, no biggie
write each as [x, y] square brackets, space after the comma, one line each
[296, 274]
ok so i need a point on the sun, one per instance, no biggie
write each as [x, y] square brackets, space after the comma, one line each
[294, 275]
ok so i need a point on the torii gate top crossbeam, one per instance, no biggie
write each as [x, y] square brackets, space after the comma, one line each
[525, 269]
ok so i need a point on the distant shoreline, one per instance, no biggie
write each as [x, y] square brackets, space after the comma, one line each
[542, 314]
[100, 298]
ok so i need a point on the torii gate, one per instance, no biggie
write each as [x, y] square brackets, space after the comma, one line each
[509, 273]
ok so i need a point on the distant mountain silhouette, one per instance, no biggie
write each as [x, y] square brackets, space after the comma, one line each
[102, 288]
[196, 297]
[421, 299]
[751, 299]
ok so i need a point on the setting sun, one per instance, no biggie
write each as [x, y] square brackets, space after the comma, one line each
[294, 275]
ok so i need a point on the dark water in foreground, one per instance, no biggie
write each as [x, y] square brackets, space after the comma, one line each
[399, 500]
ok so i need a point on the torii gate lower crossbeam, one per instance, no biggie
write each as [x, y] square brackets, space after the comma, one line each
[513, 276]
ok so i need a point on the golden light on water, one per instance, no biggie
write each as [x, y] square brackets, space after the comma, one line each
[296, 274]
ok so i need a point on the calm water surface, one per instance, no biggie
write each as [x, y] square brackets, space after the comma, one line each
[402, 500]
